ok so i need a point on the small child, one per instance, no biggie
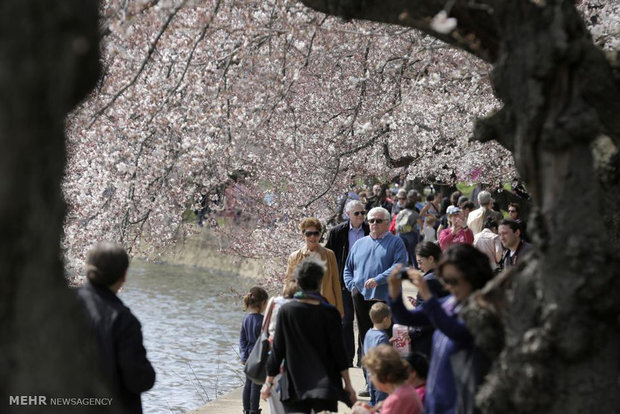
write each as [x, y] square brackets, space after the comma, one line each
[254, 302]
[428, 231]
[389, 373]
[381, 320]
[418, 373]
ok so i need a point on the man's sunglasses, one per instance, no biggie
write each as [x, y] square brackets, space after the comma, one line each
[374, 220]
[312, 233]
[358, 213]
[512, 211]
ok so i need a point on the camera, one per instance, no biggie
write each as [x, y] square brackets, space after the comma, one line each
[403, 273]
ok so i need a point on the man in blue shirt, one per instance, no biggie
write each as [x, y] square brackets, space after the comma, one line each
[370, 262]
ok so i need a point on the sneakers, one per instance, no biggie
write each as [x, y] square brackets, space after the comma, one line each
[364, 393]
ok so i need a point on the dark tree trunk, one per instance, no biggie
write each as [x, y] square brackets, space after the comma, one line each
[49, 61]
[561, 119]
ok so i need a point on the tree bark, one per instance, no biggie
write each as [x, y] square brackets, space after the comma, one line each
[50, 61]
[559, 314]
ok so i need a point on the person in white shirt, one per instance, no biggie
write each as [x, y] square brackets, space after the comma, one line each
[429, 232]
[489, 243]
[476, 219]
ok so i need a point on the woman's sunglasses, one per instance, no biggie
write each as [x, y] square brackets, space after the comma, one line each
[357, 213]
[450, 281]
[312, 233]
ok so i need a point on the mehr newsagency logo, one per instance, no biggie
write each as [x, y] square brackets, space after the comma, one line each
[45, 400]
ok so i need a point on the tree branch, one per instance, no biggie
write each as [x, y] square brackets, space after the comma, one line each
[146, 59]
[476, 32]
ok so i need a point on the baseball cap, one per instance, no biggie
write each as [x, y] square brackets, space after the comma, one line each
[453, 210]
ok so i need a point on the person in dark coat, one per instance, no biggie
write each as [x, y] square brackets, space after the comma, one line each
[117, 331]
[340, 240]
[308, 338]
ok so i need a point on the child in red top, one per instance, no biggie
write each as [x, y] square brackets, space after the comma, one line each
[389, 372]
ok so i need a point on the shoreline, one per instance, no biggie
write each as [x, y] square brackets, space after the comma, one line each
[202, 250]
[232, 403]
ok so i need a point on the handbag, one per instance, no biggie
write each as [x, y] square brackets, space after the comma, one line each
[256, 365]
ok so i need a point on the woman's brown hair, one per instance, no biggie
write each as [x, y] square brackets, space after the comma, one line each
[310, 222]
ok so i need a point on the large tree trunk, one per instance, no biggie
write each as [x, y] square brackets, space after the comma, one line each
[561, 120]
[49, 62]
[562, 350]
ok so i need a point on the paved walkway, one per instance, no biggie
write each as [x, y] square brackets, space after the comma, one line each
[231, 403]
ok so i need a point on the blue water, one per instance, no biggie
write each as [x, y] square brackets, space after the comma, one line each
[190, 321]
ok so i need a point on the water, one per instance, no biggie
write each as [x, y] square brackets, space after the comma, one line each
[190, 321]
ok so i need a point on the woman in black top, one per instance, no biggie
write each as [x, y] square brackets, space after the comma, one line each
[308, 337]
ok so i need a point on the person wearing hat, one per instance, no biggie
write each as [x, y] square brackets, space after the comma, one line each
[457, 232]
[308, 335]
[401, 201]
[477, 218]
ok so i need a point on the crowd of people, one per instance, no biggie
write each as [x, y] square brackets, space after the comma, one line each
[447, 248]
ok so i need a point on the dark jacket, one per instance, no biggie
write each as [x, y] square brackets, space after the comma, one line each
[450, 337]
[378, 202]
[338, 242]
[422, 336]
[250, 333]
[118, 335]
[309, 338]
[521, 251]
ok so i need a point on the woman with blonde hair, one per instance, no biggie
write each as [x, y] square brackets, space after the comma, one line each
[311, 229]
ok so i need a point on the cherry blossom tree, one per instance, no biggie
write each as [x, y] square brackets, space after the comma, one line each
[557, 332]
[301, 102]
[192, 91]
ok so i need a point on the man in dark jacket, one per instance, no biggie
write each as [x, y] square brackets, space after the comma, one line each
[340, 240]
[117, 331]
[515, 248]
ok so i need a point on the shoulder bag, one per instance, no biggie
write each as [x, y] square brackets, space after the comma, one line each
[256, 366]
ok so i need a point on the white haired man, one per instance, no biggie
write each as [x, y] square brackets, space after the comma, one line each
[477, 218]
[369, 264]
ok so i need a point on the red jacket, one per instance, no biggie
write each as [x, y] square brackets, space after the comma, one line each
[446, 238]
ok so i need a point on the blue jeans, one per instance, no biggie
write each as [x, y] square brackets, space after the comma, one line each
[251, 396]
[347, 326]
